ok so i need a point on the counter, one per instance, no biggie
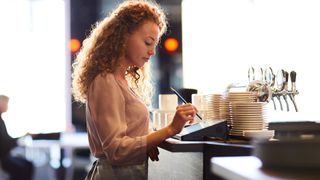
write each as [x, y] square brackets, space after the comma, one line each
[190, 160]
[250, 167]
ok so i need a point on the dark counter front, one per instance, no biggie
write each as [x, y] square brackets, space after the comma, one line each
[190, 160]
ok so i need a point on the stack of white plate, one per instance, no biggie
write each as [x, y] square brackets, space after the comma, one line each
[237, 97]
[241, 97]
[214, 105]
[248, 119]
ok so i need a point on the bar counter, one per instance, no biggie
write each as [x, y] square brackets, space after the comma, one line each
[190, 160]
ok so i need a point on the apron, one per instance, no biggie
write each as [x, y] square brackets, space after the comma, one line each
[102, 170]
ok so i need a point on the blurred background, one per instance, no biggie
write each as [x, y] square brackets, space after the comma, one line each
[209, 44]
[40, 39]
[39, 43]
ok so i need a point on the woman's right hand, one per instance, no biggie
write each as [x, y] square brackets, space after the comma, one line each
[185, 114]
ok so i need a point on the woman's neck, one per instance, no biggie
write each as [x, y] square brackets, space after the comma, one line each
[121, 69]
[120, 74]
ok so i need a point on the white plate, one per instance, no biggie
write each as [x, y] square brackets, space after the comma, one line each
[261, 134]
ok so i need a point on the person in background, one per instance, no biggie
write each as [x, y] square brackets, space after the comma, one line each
[111, 76]
[18, 168]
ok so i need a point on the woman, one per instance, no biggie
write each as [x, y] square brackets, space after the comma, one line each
[111, 77]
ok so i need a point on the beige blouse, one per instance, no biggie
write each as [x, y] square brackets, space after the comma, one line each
[117, 122]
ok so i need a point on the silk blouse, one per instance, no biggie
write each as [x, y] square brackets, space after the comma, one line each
[117, 122]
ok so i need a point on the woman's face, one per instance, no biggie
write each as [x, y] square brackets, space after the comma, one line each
[141, 44]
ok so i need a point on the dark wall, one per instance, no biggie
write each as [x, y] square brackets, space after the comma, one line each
[83, 14]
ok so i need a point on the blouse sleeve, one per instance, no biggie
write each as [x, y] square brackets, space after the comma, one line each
[107, 106]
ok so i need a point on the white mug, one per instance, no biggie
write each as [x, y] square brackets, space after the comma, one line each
[168, 102]
[198, 100]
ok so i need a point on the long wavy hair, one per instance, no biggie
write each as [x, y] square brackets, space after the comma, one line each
[101, 50]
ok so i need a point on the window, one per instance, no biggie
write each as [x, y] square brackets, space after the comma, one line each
[223, 38]
[35, 66]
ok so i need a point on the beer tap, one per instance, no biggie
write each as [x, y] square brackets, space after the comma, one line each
[268, 86]
[284, 92]
[269, 77]
[294, 91]
[279, 86]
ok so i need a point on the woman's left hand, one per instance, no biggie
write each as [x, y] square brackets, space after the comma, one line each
[153, 154]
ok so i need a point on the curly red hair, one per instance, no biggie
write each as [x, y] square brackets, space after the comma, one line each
[106, 44]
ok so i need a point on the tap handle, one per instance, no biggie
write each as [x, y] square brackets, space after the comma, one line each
[286, 76]
[293, 76]
[280, 80]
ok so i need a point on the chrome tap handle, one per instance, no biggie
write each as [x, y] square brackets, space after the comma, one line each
[286, 77]
[285, 89]
[279, 85]
[293, 101]
[273, 91]
[269, 78]
[251, 74]
[278, 97]
[280, 80]
[293, 76]
[274, 104]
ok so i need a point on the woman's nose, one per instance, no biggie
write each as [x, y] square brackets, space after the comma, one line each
[151, 51]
